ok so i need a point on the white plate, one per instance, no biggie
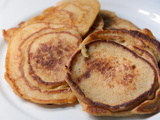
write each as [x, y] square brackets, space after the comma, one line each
[144, 14]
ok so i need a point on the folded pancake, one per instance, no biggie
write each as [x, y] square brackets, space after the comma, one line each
[113, 80]
[79, 13]
[35, 62]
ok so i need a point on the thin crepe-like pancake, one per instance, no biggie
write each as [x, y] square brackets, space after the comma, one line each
[35, 62]
[113, 80]
[79, 13]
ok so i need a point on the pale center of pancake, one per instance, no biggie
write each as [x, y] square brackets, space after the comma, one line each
[112, 75]
[48, 55]
[112, 71]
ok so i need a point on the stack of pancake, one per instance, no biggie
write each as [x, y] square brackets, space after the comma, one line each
[75, 51]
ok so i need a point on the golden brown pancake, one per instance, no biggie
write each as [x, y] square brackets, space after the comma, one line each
[148, 106]
[113, 80]
[35, 62]
[79, 13]
[142, 47]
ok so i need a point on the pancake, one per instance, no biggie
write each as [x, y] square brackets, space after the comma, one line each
[35, 62]
[79, 13]
[147, 107]
[113, 80]
[140, 47]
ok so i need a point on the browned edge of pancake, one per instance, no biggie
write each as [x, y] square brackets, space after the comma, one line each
[141, 98]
